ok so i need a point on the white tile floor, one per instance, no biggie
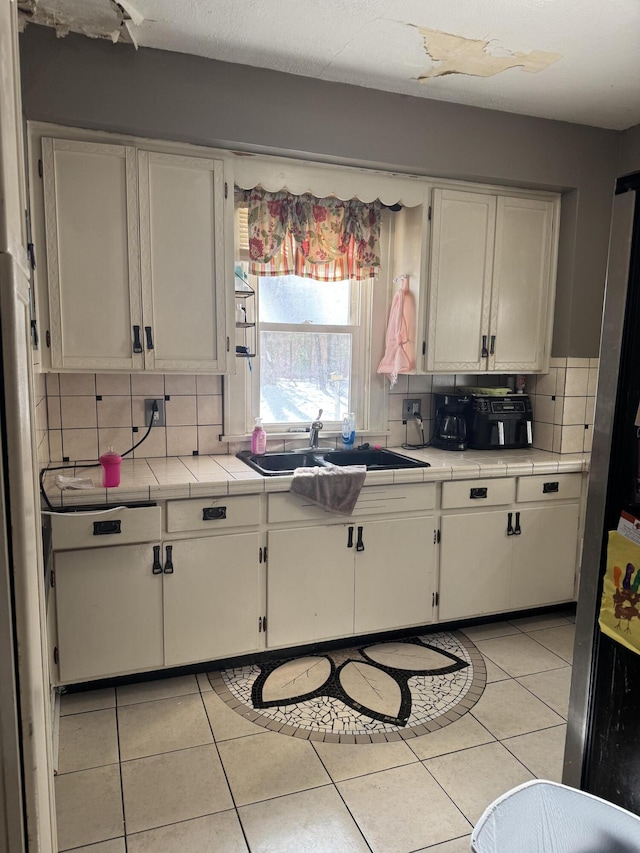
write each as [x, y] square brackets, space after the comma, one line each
[167, 767]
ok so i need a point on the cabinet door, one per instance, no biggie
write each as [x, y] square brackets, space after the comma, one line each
[182, 262]
[91, 220]
[544, 556]
[309, 585]
[460, 276]
[521, 294]
[109, 609]
[211, 599]
[475, 565]
[394, 574]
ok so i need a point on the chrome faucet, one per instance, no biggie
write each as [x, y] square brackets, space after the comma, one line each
[314, 431]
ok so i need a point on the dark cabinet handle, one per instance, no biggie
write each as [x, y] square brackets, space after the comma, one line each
[359, 543]
[549, 488]
[350, 537]
[475, 494]
[147, 331]
[509, 524]
[168, 563]
[137, 346]
[485, 352]
[104, 528]
[212, 513]
[517, 530]
[492, 348]
[157, 565]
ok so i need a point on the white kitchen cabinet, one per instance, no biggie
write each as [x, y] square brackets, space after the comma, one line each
[521, 298]
[182, 260]
[130, 608]
[518, 556]
[179, 600]
[211, 598]
[460, 276]
[196, 591]
[109, 611]
[309, 585]
[475, 565]
[491, 282]
[394, 574]
[136, 258]
[326, 582]
[544, 556]
[93, 267]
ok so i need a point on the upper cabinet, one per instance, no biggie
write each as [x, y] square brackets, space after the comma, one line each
[491, 282]
[182, 260]
[138, 270]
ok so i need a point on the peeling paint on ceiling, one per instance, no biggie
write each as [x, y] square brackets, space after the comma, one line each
[588, 49]
[460, 55]
[94, 18]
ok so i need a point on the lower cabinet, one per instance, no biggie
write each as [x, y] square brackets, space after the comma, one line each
[333, 581]
[309, 585]
[544, 556]
[198, 594]
[109, 611]
[211, 598]
[394, 575]
[132, 608]
[508, 559]
[475, 564]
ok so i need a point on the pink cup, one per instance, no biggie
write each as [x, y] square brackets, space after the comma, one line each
[110, 462]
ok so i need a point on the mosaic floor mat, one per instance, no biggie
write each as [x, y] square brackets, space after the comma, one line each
[370, 693]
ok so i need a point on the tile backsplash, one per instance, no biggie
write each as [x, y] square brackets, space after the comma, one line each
[423, 388]
[564, 403]
[89, 413]
[82, 415]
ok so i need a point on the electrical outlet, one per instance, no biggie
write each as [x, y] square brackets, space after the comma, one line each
[410, 407]
[158, 417]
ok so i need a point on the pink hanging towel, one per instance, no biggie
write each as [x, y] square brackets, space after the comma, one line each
[400, 351]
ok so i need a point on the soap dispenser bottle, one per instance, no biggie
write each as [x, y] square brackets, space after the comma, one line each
[348, 430]
[258, 438]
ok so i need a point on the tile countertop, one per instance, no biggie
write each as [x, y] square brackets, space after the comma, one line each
[210, 476]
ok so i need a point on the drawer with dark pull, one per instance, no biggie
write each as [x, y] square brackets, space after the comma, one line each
[97, 529]
[489, 492]
[213, 514]
[549, 487]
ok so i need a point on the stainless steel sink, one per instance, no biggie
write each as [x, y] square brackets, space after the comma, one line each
[280, 464]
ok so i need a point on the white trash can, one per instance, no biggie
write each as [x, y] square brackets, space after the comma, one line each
[547, 817]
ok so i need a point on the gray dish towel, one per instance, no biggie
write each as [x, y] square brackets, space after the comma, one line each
[333, 487]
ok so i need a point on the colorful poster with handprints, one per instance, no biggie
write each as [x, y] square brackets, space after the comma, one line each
[620, 605]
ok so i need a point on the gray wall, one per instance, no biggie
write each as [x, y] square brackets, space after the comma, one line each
[630, 151]
[94, 84]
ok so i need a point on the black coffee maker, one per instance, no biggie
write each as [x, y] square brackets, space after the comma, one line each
[450, 422]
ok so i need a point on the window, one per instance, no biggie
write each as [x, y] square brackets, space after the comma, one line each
[318, 346]
[309, 333]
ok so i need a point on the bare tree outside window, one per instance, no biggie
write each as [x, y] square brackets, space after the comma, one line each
[306, 343]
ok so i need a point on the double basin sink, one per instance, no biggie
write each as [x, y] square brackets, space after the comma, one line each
[279, 464]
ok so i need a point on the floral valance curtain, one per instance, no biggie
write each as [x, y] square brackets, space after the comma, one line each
[327, 239]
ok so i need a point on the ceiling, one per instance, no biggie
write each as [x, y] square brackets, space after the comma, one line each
[573, 60]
